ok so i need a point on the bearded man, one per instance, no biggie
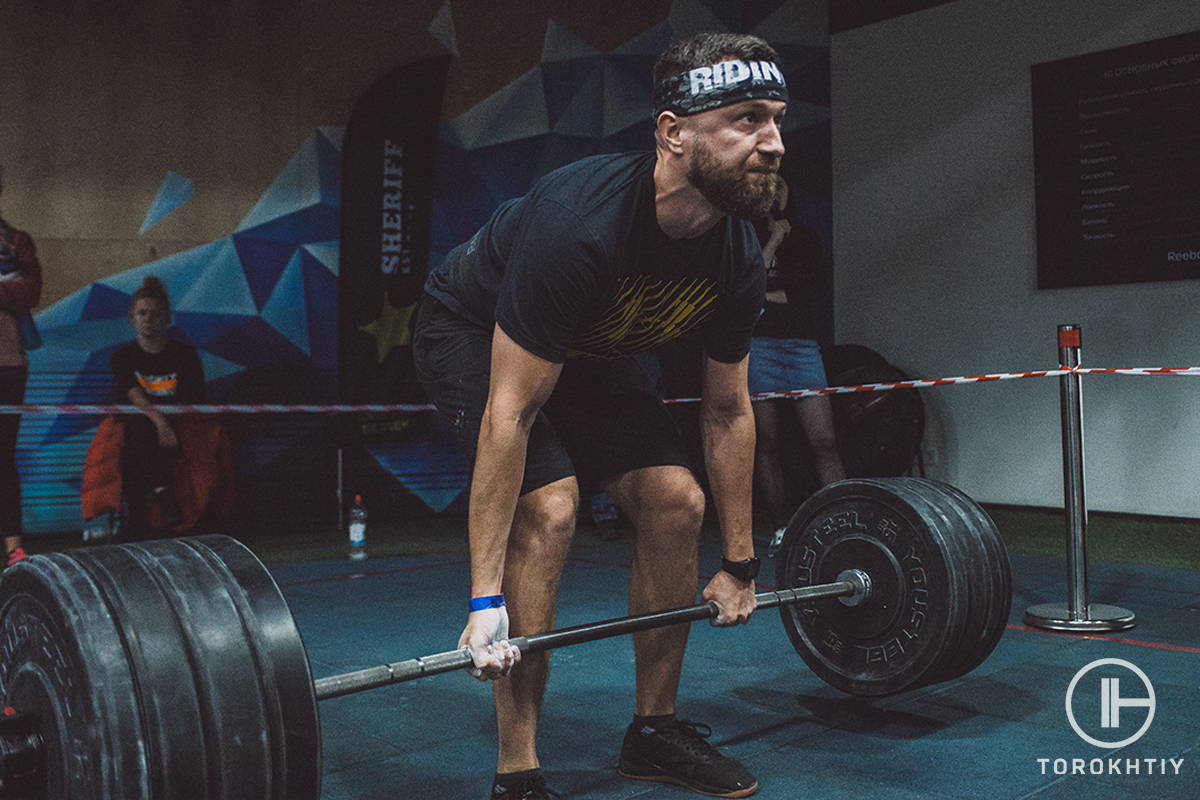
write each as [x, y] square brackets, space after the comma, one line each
[524, 341]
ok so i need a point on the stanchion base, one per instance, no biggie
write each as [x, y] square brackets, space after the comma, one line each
[1100, 618]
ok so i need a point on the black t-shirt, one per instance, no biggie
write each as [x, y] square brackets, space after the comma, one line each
[172, 375]
[579, 267]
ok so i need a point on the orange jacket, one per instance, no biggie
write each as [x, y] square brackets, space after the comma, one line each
[203, 472]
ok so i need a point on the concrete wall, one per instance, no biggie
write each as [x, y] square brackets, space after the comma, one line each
[936, 263]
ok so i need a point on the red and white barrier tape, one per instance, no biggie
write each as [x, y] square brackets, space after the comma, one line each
[1139, 370]
[927, 382]
[276, 408]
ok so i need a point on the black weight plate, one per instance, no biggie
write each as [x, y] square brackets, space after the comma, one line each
[973, 566]
[235, 749]
[979, 588]
[1000, 579]
[63, 661]
[284, 673]
[975, 563]
[843, 357]
[878, 433]
[172, 712]
[916, 610]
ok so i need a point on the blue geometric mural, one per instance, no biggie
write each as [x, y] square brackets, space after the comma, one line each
[579, 101]
[264, 298]
[442, 28]
[174, 191]
[260, 299]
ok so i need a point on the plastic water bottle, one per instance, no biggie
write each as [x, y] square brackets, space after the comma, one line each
[358, 529]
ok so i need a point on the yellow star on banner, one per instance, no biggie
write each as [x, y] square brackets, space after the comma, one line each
[390, 329]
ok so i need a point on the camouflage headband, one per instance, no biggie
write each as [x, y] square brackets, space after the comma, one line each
[723, 84]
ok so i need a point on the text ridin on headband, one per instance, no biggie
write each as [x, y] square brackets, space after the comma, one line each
[723, 84]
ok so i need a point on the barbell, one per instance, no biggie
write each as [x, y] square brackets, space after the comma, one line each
[174, 669]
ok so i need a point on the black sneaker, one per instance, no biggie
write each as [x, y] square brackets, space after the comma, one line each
[532, 787]
[676, 752]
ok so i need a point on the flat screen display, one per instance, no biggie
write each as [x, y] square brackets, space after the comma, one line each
[1117, 165]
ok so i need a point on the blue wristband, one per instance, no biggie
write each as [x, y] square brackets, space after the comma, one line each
[492, 601]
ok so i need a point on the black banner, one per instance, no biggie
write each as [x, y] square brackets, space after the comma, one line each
[387, 199]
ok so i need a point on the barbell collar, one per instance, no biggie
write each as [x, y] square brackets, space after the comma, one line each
[451, 660]
[862, 587]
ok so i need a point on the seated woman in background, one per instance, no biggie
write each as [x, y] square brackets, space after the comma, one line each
[153, 369]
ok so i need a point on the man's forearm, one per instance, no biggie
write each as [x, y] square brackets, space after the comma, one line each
[729, 456]
[495, 487]
[139, 398]
[21, 290]
[770, 248]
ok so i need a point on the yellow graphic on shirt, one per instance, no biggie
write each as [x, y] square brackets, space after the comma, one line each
[158, 385]
[645, 313]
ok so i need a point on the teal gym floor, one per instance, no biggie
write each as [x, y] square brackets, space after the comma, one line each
[980, 736]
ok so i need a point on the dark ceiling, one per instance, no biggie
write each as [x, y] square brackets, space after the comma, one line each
[847, 14]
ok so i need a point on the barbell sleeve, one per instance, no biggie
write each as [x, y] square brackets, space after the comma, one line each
[413, 668]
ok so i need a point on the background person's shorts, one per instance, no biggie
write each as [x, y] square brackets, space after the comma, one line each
[601, 421]
[780, 365]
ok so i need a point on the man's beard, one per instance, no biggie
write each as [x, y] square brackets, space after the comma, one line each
[733, 189]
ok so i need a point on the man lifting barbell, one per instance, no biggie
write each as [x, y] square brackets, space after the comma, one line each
[524, 340]
[888, 585]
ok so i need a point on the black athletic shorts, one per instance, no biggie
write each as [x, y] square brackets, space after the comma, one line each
[601, 421]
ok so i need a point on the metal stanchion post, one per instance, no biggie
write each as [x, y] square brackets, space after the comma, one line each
[1078, 613]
